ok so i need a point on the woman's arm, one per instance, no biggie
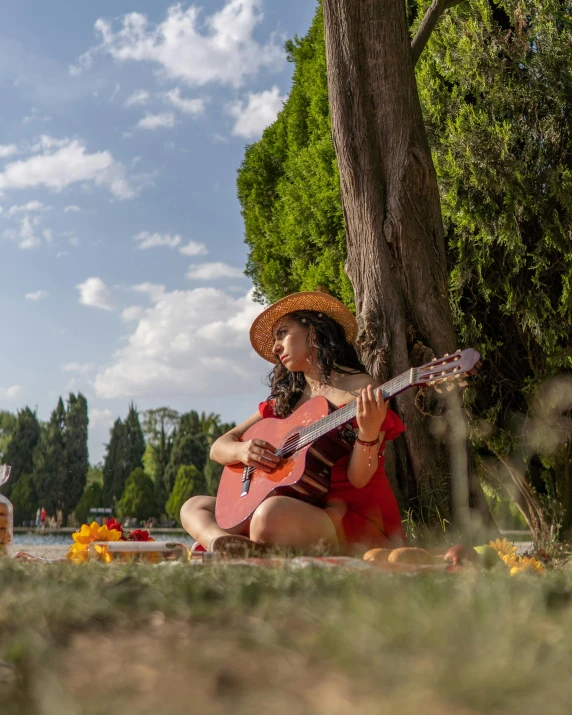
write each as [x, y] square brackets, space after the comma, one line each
[229, 449]
[370, 414]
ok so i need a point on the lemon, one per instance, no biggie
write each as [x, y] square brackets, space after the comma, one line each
[488, 557]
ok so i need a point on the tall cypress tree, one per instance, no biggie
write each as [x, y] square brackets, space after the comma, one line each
[133, 446]
[21, 447]
[190, 447]
[77, 459]
[124, 454]
[50, 462]
[113, 464]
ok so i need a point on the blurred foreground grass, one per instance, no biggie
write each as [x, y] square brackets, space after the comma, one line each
[141, 639]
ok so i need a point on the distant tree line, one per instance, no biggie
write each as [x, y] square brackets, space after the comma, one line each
[152, 464]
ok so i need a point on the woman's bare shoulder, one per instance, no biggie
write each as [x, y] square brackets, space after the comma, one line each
[357, 381]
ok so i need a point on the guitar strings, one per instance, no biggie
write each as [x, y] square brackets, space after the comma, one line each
[341, 416]
[307, 435]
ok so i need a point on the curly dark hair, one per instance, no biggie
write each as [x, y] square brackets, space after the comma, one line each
[334, 353]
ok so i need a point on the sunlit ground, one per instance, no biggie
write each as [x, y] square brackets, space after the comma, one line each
[226, 639]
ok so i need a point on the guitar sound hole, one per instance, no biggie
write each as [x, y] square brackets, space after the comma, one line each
[290, 446]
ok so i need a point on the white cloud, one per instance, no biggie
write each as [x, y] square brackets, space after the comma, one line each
[26, 208]
[37, 295]
[65, 162]
[83, 368]
[193, 107]
[190, 48]
[194, 249]
[7, 150]
[35, 118]
[26, 235]
[259, 112]
[211, 271]
[72, 208]
[153, 240]
[99, 419]
[155, 291]
[163, 120]
[61, 254]
[9, 393]
[133, 312]
[95, 293]
[139, 97]
[192, 342]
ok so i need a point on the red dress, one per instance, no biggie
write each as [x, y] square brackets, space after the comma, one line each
[371, 515]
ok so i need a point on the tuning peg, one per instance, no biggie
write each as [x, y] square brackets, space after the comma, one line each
[439, 390]
[434, 359]
[449, 386]
[462, 383]
[446, 355]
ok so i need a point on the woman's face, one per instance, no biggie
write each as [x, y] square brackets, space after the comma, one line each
[291, 345]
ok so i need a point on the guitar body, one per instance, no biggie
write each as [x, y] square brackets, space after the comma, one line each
[304, 474]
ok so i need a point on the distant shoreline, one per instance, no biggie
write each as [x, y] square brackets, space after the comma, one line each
[71, 530]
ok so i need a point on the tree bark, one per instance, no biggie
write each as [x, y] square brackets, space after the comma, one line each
[395, 244]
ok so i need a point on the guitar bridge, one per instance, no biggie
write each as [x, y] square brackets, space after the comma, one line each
[246, 472]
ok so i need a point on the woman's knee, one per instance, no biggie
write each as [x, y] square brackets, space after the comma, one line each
[195, 504]
[269, 519]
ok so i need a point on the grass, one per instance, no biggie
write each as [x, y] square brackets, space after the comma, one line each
[83, 639]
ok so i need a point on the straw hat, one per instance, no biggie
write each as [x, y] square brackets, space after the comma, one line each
[261, 330]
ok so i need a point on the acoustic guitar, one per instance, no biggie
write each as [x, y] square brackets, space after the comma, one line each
[311, 440]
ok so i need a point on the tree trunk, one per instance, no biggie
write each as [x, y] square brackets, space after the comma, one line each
[395, 245]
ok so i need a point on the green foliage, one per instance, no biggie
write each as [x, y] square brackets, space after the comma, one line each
[160, 427]
[94, 474]
[8, 422]
[133, 441]
[61, 459]
[288, 187]
[124, 454]
[496, 87]
[77, 461]
[213, 473]
[50, 463]
[189, 482]
[91, 498]
[190, 446]
[113, 462]
[138, 498]
[24, 499]
[20, 449]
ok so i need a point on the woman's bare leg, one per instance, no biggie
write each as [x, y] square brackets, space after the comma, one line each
[288, 522]
[198, 519]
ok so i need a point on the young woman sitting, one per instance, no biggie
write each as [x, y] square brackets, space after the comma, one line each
[309, 338]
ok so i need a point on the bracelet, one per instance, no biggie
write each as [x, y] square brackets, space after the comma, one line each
[367, 444]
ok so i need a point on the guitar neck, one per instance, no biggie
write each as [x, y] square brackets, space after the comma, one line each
[345, 414]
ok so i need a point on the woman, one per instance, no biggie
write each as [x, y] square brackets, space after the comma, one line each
[309, 338]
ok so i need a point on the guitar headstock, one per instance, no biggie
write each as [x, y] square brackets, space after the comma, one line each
[449, 367]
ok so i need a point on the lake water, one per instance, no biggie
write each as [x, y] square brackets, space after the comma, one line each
[32, 539]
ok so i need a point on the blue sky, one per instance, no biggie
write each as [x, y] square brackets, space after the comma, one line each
[122, 125]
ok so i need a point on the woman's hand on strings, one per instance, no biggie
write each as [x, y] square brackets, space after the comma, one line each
[259, 454]
[370, 413]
